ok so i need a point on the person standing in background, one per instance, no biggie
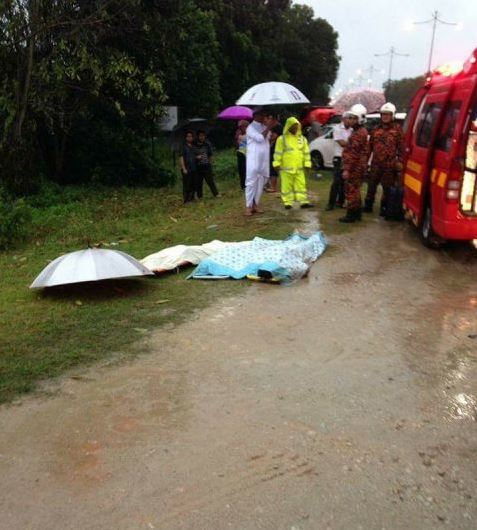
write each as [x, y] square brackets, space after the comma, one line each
[241, 150]
[291, 159]
[355, 161]
[203, 150]
[188, 168]
[273, 182]
[340, 136]
[258, 160]
[386, 146]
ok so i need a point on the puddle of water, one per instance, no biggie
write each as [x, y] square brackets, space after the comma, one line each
[463, 406]
[444, 354]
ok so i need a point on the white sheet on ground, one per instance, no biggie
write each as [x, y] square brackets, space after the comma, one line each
[173, 257]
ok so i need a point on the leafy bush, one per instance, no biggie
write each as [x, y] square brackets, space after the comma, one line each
[108, 153]
[15, 217]
[225, 166]
[19, 169]
[53, 194]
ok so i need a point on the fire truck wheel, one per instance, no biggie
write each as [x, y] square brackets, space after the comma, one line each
[428, 236]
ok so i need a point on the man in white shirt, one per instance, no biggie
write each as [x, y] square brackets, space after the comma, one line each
[258, 160]
[340, 136]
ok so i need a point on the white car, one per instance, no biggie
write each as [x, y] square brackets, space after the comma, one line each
[322, 149]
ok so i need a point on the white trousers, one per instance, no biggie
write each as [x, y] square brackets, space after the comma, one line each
[254, 184]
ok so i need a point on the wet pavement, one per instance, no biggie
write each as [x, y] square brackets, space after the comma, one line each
[344, 401]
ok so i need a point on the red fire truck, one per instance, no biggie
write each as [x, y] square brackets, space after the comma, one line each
[440, 185]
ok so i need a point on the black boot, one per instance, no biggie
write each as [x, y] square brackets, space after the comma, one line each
[350, 217]
[358, 214]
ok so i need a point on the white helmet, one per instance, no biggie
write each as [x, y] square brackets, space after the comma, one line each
[388, 107]
[359, 111]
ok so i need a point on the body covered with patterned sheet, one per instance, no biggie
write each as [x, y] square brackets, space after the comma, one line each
[283, 260]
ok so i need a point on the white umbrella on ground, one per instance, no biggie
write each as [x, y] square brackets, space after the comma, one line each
[272, 93]
[90, 265]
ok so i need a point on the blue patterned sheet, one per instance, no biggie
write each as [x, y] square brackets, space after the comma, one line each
[283, 260]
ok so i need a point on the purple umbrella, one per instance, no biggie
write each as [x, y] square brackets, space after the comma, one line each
[236, 113]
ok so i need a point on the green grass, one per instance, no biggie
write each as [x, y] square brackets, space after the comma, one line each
[44, 333]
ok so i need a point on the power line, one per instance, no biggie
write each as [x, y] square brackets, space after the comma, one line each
[434, 20]
[392, 52]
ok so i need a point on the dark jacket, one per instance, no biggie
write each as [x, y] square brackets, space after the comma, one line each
[189, 157]
[203, 154]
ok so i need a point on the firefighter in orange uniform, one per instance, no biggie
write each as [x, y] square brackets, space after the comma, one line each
[386, 145]
[355, 157]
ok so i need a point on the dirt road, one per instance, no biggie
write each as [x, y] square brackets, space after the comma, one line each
[346, 401]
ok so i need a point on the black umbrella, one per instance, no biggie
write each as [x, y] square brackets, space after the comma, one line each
[177, 137]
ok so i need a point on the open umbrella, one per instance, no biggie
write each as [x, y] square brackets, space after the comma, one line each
[236, 112]
[177, 137]
[90, 265]
[272, 93]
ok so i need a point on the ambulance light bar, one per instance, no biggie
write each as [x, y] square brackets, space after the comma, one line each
[449, 69]
[470, 65]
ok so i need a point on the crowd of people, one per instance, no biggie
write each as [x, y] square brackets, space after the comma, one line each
[266, 153]
[378, 153]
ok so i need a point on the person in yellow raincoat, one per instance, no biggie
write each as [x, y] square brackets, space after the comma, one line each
[292, 156]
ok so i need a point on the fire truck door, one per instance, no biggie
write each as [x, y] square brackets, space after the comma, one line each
[417, 170]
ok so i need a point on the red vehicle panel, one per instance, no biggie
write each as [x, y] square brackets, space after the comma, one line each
[441, 145]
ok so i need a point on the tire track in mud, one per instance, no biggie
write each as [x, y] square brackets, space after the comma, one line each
[261, 468]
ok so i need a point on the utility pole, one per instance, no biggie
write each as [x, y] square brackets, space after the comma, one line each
[434, 20]
[392, 52]
[370, 71]
[359, 78]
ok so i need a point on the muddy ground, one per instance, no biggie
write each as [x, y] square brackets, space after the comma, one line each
[345, 401]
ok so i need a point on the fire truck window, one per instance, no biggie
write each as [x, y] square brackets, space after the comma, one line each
[471, 148]
[445, 135]
[407, 119]
[427, 125]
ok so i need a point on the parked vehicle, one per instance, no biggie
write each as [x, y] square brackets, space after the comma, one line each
[440, 184]
[322, 149]
[320, 114]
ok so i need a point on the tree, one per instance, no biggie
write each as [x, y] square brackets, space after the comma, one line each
[83, 83]
[248, 33]
[401, 91]
[309, 49]
[61, 58]
[186, 52]
[264, 40]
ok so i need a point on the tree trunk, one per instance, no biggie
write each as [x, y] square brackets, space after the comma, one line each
[25, 89]
[60, 157]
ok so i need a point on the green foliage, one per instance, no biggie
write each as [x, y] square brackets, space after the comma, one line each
[83, 84]
[186, 42]
[15, 219]
[52, 194]
[401, 91]
[114, 156]
[264, 40]
[313, 43]
[63, 59]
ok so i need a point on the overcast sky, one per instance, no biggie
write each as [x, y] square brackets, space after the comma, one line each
[370, 27]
